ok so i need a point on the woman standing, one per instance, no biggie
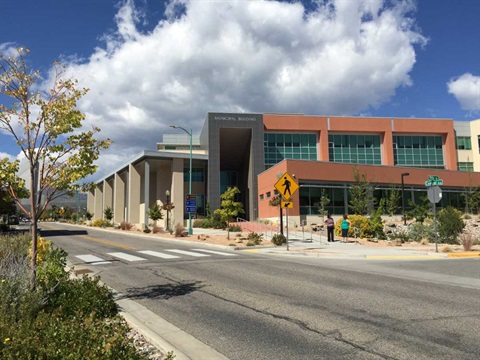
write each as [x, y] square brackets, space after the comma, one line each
[330, 228]
[345, 227]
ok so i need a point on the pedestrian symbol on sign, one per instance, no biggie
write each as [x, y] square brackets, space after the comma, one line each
[286, 185]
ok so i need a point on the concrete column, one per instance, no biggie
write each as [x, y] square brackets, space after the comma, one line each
[107, 195]
[146, 194]
[118, 199]
[98, 203]
[91, 201]
[177, 193]
[133, 195]
[164, 183]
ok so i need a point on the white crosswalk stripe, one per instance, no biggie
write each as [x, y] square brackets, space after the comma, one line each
[183, 252]
[215, 252]
[159, 254]
[92, 259]
[95, 260]
[125, 256]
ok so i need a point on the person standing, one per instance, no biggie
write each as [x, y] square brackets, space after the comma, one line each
[345, 227]
[330, 228]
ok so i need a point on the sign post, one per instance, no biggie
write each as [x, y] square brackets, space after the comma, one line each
[286, 187]
[434, 193]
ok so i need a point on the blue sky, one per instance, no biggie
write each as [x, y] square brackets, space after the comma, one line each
[152, 63]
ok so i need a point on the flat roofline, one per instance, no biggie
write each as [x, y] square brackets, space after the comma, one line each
[153, 154]
[362, 117]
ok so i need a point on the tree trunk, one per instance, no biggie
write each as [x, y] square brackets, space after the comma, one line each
[33, 217]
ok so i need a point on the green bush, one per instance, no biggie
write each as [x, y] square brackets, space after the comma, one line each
[399, 234]
[254, 238]
[360, 222]
[101, 223]
[213, 221]
[62, 318]
[450, 225]
[234, 228]
[279, 239]
[418, 231]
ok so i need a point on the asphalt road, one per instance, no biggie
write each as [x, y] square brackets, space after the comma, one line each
[257, 306]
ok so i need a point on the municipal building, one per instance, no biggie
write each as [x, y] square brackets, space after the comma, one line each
[321, 153]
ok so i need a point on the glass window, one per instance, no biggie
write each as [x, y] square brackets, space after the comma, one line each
[289, 146]
[463, 143]
[418, 151]
[197, 175]
[465, 166]
[361, 149]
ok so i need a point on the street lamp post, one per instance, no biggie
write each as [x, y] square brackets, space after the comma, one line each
[167, 193]
[403, 198]
[190, 230]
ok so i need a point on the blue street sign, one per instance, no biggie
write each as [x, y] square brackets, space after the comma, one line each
[191, 209]
[191, 203]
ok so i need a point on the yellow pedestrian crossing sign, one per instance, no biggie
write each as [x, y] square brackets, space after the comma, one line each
[286, 186]
[287, 204]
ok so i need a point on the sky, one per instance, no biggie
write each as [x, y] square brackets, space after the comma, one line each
[151, 63]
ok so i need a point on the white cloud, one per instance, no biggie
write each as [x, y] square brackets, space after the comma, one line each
[258, 56]
[466, 89]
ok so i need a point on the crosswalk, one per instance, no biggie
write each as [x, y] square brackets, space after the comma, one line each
[149, 254]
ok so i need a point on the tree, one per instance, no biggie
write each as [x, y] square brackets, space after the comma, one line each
[360, 195]
[324, 201]
[155, 212]
[472, 199]
[47, 127]
[230, 208]
[419, 211]
[392, 200]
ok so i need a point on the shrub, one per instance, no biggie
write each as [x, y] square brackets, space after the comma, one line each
[101, 223]
[179, 230]
[125, 225]
[147, 231]
[418, 231]
[234, 228]
[446, 249]
[450, 225]
[213, 221]
[399, 234]
[157, 229]
[279, 239]
[254, 238]
[357, 221]
[43, 247]
[424, 242]
[108, 212]
[467, 240]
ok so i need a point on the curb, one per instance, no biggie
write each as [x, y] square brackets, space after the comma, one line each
[463, 255]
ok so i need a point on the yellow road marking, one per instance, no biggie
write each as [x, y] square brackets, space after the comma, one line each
[252, 250]
[110, 243]
[463, 255]
[374, 257]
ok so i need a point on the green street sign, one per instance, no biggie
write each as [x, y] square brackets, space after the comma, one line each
[434, 182]
[432, 177]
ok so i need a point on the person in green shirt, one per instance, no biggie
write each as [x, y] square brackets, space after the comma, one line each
[345, 226]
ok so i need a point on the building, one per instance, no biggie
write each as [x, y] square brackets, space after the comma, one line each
[252, 151]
